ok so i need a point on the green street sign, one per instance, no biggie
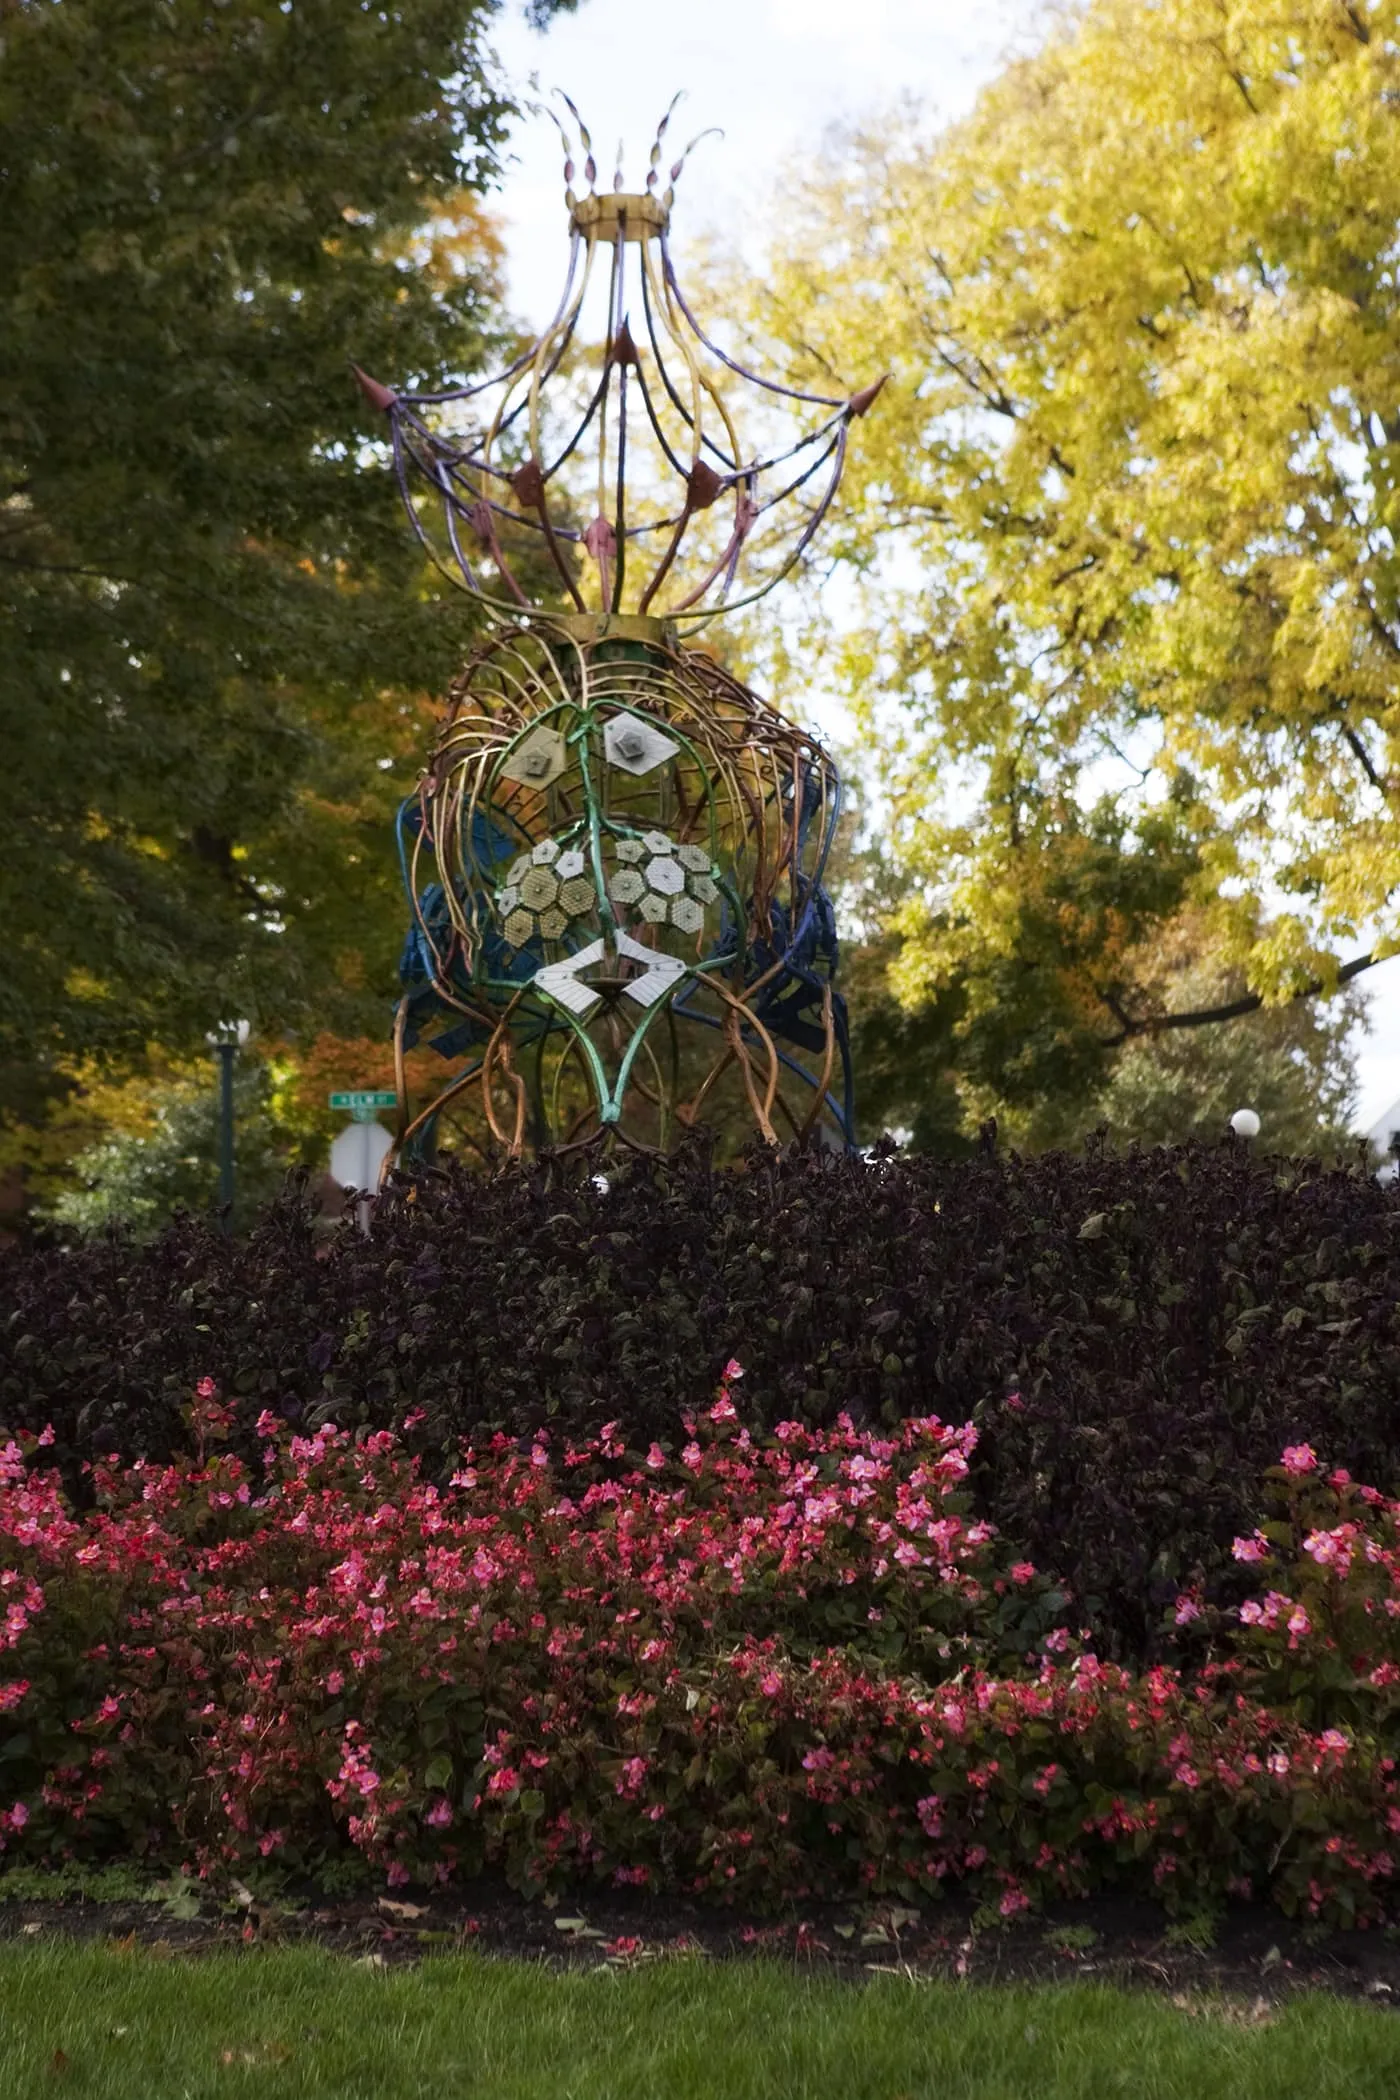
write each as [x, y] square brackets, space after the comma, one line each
[362, 1105]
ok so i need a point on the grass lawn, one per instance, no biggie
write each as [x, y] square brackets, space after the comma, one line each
[126, 2025]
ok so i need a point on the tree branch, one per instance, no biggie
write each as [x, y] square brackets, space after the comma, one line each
[1233, 1010]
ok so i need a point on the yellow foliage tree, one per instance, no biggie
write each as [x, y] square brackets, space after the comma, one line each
[1124, 526]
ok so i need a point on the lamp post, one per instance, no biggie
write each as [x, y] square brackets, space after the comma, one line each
[226, 1041]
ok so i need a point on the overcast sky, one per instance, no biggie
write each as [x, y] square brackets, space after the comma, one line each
[771, 74]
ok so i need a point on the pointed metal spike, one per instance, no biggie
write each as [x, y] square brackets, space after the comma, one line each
[623, 351]
[377, 395]
[859, 403]
[572, 107]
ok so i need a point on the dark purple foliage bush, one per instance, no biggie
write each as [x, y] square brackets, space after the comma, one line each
[1136, 1336]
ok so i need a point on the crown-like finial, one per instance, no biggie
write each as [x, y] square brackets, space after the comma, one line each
[650, 502]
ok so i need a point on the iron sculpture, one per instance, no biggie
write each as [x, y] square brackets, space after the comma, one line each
[615, 859]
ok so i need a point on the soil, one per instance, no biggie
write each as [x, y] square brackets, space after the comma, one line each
[1253, 1959]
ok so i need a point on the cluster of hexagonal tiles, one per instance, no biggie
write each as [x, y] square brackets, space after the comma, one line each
[663, 883]
[666, 884]
[544, 890]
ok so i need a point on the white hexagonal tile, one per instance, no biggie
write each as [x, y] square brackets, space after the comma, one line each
[701, 886]
[519, 869]
[570, 863]
[629, 849]
[687, 914]
[654, 909]
[667, 876]
[508, 898]
[546, 853]
[626, 886]
[656, 842]
[694, 857]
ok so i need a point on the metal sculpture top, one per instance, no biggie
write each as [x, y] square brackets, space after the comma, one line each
[615, 859]
[689, 516]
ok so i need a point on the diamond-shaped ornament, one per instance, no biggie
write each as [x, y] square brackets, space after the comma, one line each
[636, 745]
[661, 973]
[665, 875]
[560, 980]
[537, 759]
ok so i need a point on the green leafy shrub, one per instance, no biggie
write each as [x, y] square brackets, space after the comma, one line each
[1135, 1337]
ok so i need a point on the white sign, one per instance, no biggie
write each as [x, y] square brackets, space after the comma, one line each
[358, 1154]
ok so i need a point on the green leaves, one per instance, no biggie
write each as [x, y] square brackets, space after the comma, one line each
[219, 637]
[1120, 523]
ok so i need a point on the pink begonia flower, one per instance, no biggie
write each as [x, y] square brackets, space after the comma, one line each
[1298, 1459]
[1187, 1609]
[1298, 1624]
[770, 1683]
[1333, 1739]
[19, 1816]
[1253, 1549]
[1022, 1571]
[45, 1437]
[1187, 1775]
[656, 1458]
[732, 1370]
[1278, 1764]
[206, 1389]
[439, 1815]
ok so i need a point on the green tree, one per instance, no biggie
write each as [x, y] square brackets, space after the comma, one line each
[139, 1176]
[1123, 525]
[219, 637]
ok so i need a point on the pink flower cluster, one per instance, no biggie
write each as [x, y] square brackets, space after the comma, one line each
[750, 1665]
